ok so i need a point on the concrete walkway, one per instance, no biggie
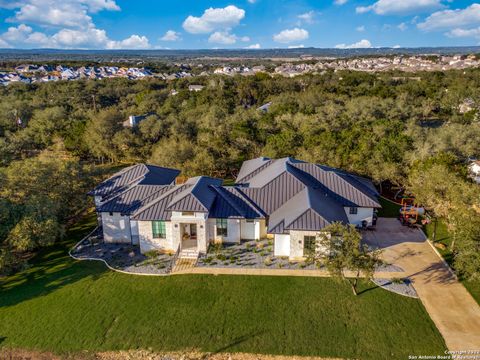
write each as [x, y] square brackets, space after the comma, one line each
[451, 307]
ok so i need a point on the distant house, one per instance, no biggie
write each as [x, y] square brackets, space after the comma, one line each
[474, 169]
[287, 200]
[265, 107]
[466, 106]
[195, 88]
[134, 120]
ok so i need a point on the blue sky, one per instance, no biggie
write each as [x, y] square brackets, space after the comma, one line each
[202, 24]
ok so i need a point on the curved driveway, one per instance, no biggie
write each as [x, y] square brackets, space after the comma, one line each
[451, 307]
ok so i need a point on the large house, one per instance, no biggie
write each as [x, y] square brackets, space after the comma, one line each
[286, 199]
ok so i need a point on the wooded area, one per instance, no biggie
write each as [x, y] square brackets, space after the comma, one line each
[395, 130]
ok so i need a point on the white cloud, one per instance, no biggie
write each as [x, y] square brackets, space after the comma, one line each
[67, 23]
[291, 35]
[301, 46]
[170, 35]
[362, 44]
[214, 19]
[360, 28]
[133, 42]
[402, 26]
[254, 46]
[59, 13]
[400, 7]
[220, 37]
[308, 17]
[451, 19]
[340, 2]
[396, 47]
[458, 33]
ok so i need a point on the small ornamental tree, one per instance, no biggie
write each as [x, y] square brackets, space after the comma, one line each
[339, 248]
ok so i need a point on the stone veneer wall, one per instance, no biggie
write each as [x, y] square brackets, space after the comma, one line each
[147, 242]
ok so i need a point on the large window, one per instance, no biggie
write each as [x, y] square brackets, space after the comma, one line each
[222, 227]
[353, 211]
[309, 245]
[158, 230]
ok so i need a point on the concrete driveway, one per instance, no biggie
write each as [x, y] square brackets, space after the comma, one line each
[451, 307]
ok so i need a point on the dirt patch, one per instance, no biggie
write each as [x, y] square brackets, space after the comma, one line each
[19, 354]
[26, 355]
[147, 355]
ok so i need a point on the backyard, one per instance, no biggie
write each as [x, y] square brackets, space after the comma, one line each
[66, 306]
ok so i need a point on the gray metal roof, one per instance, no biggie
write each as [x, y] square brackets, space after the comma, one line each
[155, 207]
[136, 174]
[199, 197]
[348, 190]
[250, 168]
[230, 203]
[311, 209]
[132, 199]
[274, 194]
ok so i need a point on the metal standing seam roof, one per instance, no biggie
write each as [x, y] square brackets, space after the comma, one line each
[199, 197]
[132, 175]
[249, 167]
[132, 199]
[230, 203]
[348, 190]
[273, 195]
[311, 209]
[120, 180]
[155, 207]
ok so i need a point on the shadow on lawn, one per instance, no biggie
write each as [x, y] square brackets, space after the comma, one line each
[237, 341]
[52, 268]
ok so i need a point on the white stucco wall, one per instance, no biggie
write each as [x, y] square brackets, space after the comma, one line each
[233, 231]
[362, 214]
[148, 243]
[281, 245]
[116, 228]
[297, 243]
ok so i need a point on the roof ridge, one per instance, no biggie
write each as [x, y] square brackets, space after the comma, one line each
[252, 203]
[229, 201]
[257, 170]
[154, 201]
[190, 193]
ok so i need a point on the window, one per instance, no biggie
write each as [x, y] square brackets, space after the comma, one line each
[188, 213]
[309, 245]
[353, 211]
[222, 227]
[110, 213]
[158, 230]
[249, 220]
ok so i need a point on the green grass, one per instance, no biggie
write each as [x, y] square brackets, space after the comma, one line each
[65, 306]
[443, 236]
[389, 208]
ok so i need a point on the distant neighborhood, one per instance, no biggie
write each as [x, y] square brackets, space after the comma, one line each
[29, 73]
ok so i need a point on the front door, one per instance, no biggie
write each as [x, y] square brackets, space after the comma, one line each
[193, 231]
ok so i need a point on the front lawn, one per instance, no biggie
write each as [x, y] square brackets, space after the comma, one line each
[66, 306]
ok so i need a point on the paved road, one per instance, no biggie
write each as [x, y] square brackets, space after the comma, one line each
[451, 307]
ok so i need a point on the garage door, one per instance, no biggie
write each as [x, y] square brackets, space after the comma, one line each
[282, 245]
